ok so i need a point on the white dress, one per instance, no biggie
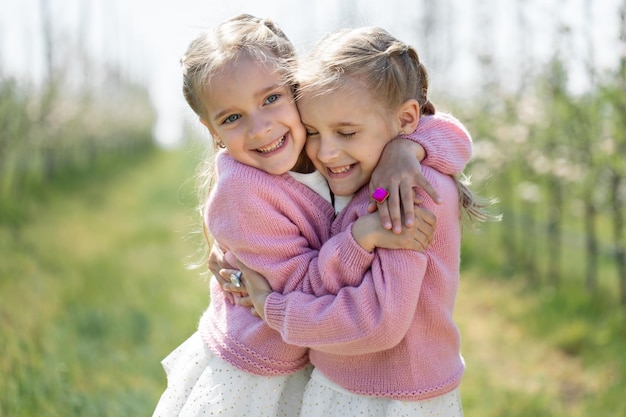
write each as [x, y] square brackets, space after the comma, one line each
[199, 383]
[324, 398]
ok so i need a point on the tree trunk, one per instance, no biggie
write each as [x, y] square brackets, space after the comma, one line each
[529, 244]
[591, 242]
[617, 205]
[554, 232]
[509, 232]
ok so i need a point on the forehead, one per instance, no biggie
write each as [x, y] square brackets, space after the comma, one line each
[243, 77]
[344, 87]
[346, 100]
[245, 66]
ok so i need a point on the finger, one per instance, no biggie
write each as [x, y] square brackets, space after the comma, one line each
[423, 183]
[425, 215]
[229, 297]
[383, 213]
[245, 301]
[220, 279]
[216, 259]
[422, 240]
[417, 246]
[395, 214]
[417, 197]
[225, 273]
[228, 287]
[425, 229]
[408, 206]
[413, 243]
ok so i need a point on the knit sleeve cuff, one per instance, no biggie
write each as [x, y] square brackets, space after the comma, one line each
[447, 143]
[275, 306]
[343, 262]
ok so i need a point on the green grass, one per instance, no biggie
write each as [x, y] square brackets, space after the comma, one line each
[534, 352]
[94, 292]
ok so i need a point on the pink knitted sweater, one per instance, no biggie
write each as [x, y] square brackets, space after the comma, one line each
[393, 335]
[281, 228]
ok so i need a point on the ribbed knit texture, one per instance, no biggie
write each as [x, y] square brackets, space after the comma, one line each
[281, 228]
[393, 335]
[439, 135]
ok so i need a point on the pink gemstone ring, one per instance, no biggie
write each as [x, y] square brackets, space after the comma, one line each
[380, 195]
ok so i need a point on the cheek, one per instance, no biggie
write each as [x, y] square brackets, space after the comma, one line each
[291, 113]
[372, 157]
[312, 149]
[299, 132]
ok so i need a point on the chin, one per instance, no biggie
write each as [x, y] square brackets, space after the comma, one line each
[342, 192]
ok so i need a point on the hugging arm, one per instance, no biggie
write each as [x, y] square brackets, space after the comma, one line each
[375, 315]
[440, 142]
[371, 317]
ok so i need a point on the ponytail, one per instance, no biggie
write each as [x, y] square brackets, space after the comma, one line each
[473, 206]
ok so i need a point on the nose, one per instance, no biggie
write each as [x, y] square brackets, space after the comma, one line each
[259, 126]
[327, 149]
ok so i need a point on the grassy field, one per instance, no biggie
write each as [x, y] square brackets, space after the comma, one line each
[95, 291]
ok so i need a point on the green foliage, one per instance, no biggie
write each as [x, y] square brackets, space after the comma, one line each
[555, 161]
[95, 291]
[49, 137]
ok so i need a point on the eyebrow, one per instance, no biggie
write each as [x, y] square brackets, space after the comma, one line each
[260, 93]
[339, 125]
[336, 125]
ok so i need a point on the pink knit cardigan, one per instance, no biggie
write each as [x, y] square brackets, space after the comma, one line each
[392, 335]
[281, 228]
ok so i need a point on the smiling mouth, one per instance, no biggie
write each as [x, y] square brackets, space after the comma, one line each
[340, 170]
[273, 146]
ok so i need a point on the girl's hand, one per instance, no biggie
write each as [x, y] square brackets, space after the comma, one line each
[399, 171]
[222, 270]
[369, 233]
[216, 262]
[228, 283]
[258, 290]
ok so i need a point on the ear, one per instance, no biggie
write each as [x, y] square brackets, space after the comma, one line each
[409, 116]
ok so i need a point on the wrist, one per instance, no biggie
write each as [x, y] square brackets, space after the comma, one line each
[410, 145]
[363, 235]
[420, 153]
[259, 303]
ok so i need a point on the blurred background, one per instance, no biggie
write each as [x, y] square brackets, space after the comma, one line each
[98, 219]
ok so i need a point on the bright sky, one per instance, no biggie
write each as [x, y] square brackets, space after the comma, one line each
[148, 36]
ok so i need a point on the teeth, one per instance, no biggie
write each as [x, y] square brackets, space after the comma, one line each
[340, 170]
[273, 147]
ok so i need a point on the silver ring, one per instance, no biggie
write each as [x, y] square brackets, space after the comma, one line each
[235, 279]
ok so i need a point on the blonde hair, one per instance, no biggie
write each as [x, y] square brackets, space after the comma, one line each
[391, 71]
[389, 68]
[208, 54]
[242, 35]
